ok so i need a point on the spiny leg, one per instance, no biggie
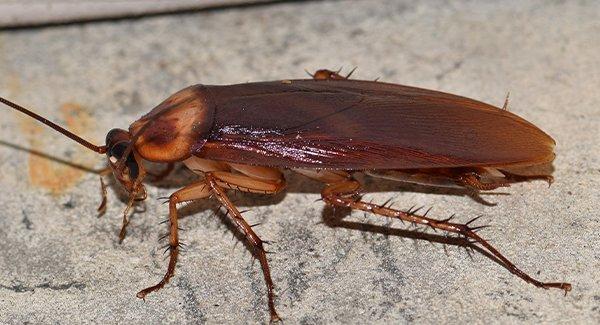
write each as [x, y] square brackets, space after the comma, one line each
[138, 194]
[103, 193]
[472, 181]
[217, 180]
[133, 197]
[263, 180]
[525, 178]
[125, 221]
[343, 193]
[191, 192]
[102, 209]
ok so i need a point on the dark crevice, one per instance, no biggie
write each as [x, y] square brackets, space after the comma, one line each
[19, 287]
[140, 16]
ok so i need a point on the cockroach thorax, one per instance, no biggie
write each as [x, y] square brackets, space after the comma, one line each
[172, 128]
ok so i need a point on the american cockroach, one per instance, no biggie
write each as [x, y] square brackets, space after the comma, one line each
[240, 137]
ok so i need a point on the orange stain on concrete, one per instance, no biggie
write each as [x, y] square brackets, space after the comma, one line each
[51, 175]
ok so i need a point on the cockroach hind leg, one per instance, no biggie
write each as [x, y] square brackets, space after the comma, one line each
[476, 196]
[526, 178]
[336, 195]
[472, 181]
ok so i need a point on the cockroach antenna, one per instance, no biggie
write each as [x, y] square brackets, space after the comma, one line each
[69, 134]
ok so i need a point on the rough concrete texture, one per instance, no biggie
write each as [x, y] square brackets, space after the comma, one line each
[59, 263]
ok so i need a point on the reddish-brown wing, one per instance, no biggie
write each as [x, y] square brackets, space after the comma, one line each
[350, 124]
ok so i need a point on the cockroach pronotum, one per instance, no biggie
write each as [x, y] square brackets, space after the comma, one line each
[240, 137]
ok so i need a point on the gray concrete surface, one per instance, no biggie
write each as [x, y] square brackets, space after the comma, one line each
[59, 263]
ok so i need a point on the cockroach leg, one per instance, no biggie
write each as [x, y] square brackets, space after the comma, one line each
[325, 176]
[104, 171]
[102, 207]
[247, 184]
[138, 194]
[505, 106]
[103, 193]
[259, 172]
[472, 180]
[215, 182]
[254, 179]
[191, 192]
[342, 194]
[125, 223]
[524, 178]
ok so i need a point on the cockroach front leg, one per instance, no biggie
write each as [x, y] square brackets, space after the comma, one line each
[191, 192]
[344, 194]
[139, 194]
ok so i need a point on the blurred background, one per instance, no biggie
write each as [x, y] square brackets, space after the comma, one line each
[96, 65]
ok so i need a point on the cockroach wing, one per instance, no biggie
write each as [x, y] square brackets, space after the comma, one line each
[358, 125]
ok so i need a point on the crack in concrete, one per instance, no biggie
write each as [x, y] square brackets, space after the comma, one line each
[19, 287]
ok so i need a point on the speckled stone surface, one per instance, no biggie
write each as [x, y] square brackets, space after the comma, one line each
[59, 263]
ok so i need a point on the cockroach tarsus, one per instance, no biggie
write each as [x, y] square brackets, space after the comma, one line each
[240, 137]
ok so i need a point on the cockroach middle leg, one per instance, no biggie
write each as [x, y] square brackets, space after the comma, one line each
[138, 194]
[191, 192]
[262, 180]
[215, 181]
[472, 181]
[525, 178]
[343, 194]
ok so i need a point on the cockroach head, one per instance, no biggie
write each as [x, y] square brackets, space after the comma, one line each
[124, 162]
